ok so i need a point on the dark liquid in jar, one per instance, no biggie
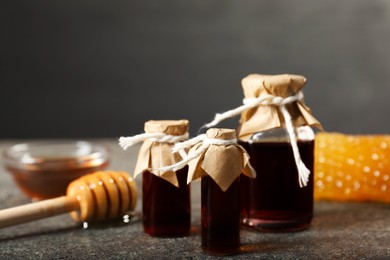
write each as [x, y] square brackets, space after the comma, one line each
[166, 208]
[220, 217]
[41, 182]
[274, 201]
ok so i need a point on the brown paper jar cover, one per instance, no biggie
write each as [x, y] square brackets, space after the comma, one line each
[154, 155]
[266, 117]
[223, 163]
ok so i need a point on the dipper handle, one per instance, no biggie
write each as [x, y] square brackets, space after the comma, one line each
[37, 210]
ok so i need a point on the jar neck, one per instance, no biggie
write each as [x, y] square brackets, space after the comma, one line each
[280, 134]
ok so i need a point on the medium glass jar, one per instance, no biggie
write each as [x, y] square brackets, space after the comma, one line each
[166, 208]
[274, 200]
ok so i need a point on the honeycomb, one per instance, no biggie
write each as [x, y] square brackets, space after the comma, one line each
[352, 167]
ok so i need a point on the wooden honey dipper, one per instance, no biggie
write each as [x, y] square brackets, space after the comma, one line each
[94, 197]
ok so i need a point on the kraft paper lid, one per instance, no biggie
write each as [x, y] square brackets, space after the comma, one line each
[221, 133]
[154, 155]
[266, 117]
[170, 127]
[223, 163]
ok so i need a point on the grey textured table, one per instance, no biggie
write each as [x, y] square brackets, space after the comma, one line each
[339, 230]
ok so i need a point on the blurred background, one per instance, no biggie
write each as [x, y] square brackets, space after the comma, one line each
[80, 69]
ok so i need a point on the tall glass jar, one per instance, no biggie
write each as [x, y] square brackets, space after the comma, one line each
[274, 200]
[278, 136]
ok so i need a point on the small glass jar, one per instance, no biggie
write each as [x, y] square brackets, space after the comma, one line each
[220, 217]
[219, 166]
[274, 200]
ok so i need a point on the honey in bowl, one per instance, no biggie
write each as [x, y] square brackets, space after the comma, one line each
[43, 170]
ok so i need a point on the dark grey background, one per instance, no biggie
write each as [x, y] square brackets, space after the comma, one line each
[95, 68]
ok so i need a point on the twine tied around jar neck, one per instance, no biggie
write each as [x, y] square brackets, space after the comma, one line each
[182, 146]
[126, 142]
[249, 103]
[281, 102]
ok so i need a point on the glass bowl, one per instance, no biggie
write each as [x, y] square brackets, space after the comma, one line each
[43, 170]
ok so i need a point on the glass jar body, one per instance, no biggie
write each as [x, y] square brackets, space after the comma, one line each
[220, 217]
[166, 208]
[274, 201]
